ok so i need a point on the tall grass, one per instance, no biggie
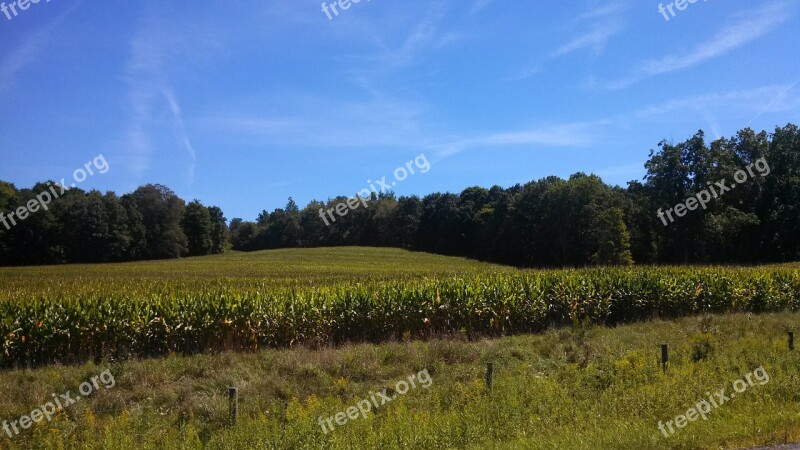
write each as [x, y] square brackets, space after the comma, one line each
[571, 388]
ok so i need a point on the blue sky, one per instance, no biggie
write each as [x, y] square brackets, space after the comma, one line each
[244, 104]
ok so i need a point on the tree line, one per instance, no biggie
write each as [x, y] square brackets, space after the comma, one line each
[551, 222]
[90, 227]
[580, 221]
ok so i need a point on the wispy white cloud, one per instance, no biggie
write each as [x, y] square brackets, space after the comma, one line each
[590, 30]
[742, 29]
[29, 51]
[600, 10]
[420, 38]
[779, 103]
[423, 37]
[21, 57]
[143, 74]
[593, 29]
[732, 105]
[775, 98]
[385, 123]
[595, 39]
[153, 49]
[180, 130]
[560, 135]
[322, 122]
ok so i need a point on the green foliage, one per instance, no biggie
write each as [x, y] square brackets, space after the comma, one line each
[566, 389]
[7, 192]
[74, 226]
[197, 226]
[611, 238]
[48, 317]
[702, 346]
[162, 212]
[219, 230]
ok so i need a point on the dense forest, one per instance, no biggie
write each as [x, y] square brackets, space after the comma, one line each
[549, 222]
[150, 223]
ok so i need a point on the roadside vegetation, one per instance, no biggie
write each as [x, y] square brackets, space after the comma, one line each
[572, 387]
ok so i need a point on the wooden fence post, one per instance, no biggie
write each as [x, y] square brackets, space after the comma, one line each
[664, 356]
[233, 399]
[791, 340]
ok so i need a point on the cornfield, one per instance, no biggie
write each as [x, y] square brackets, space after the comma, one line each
[74, 320]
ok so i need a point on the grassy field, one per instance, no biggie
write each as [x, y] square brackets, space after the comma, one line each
[292, 267]
[392, 314]
[569, 388]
